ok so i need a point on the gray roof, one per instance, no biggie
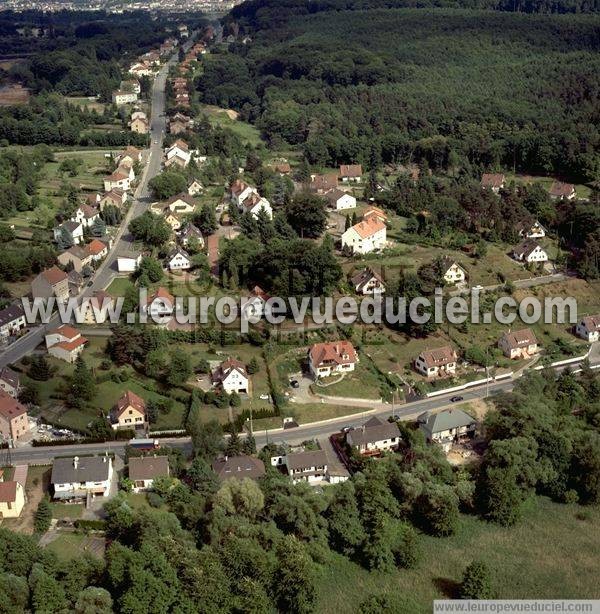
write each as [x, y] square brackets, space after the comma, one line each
[11, 313]
[10, 377]
[239, 467]
[148, 467]
[444, 420]
[304, 460]
[372, 431]
[89, 469]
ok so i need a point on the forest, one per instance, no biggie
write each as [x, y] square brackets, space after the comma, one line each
[464, 89]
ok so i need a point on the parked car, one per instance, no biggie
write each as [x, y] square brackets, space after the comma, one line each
[456, 399]
[347, 429]
[264, 397]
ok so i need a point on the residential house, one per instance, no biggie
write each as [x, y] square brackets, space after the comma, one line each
[338, 199]
[144, 470]
[12, 498]
[120, 97]
[562, 191]
[161, 304]
[447, 427]
[178, 260]
[176, 126]
[374, 437]
[254, 203]
[531, 230]
[530, 251]
[437, 362]
[191, 233]
[239, 467]
[65, 343]
[128, 261]
[179, 149]
[181, 203]
[365, 237]
[14, 422]
[138, 114]
[173, 218]
[114, 198]
[86, 216]
[78, 478]
[96, 249]
[452, 272]
[128, 412]
[351, 173]
[376, 213]
[92, 200]
[232, 376]
[321, 184]
[131, 85]
[51, 282]
[119, 179]
[239, 191]
[10, 382]
[588, 328]
[368, 282]
[12, 320]
[141, 69]
[283, 168]
[493, 182]
[126, 168]
[177, 160]
[195, 188]
[69, 231]
[519, 344]
[255, 304]
[139, 125]
[95, 308]
[325, 359]
[75, 281]
[76, 255]
[130, 155]
[309, 466]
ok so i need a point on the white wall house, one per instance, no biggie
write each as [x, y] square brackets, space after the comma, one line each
[437, 362]
[77, 477]
[365, 237]
[339, 200]
[453, 273]
[128, 262]
[179, 260]
[374, 437]
[519, 344]
[530, 251]
[325, 359]
[588, 328]
[232, 376]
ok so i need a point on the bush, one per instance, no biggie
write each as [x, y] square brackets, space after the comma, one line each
[90, 525]
[43, 516]
[154, 499]
[477, 582]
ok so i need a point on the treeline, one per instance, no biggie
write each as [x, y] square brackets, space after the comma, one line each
[459, 88]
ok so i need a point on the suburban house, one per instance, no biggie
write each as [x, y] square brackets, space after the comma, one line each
[70, 231]
[562, 191]
[179, 150]
[141, 69]
[366, 236]
[119, 179]
[92, 199]
[174, 219]
[122, 97]
[493, 182]
[10, 382]
[139, 125]
[238, 191]
[161, 304]
[239, 467]
[452, 272]
[255, 304]
[178, 260]
[195, 188]
[128, 412]
[12, 498]
[176, 126]
[368, 282]
[531, 230]
[143, 470]
[78, 478]
[128, 262]
[309, 466]
[375, 213]
[181, 203]
[338, 199]
[232, 376]
[131, 85]
[254, 203]
[191, 233]
[437, 362]
[65, 343]
[323, 183]
[351, 173]
[76, 255]
[530, 251]
[374, 437]
[12, 320]
[519, 344]
[130, 155]
[588, 328]
[325, 359]
[14, 422]
[114, 198]
[282, 168]
[96, 249]
[86, 215]
[138, 114]
[75, 280]
[126, 168]
[447, 427]
[51, 282]
[95, 308]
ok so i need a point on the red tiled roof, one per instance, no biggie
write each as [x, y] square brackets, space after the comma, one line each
[10, 408]
[368, 227]
[66, 331]
[163, 294]
[129, 399]
[492, 180]
[95, 247]
[54, 275]
[351, 170]
[339, 352]
[8, 492]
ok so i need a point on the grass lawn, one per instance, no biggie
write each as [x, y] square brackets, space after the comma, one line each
[119, 285]
[361, 383]
[67, 546]
[582, 190]
[83, 102]
[527, 561]
[221, 117]
[66, 510]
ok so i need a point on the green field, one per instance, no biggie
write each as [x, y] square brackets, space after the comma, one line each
[219, 117]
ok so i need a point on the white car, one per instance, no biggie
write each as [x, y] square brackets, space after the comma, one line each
[264, 397]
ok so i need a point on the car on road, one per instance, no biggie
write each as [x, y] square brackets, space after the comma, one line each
[456, 399]
[347, 429]
[156, 142]
[90, 283]
[264, 397]
[294, 383]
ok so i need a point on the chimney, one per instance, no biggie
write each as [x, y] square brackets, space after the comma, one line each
[75, 461]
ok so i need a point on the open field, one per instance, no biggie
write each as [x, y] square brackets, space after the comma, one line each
[226, 118]
[84, 102]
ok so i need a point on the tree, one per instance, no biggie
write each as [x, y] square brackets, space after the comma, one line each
[476, 582]
[253, 598]
[94, 600]
[47, 595]
[43, 516]
[202, 478]
[207, 438]
[150, 228]
[206, 220]
[294, 579]
[438, 509]
[167, 184]
[83, 386]
[180, 367]
[240, 497]
[150, 267]
[306, 215]
[40, 368]
[253, 366]
[346, 533]
[14, 593]
[235, 399]
[30, 394]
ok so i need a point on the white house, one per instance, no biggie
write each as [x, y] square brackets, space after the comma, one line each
[10, 382]
[180, 150]
[493, 182]
[374, 437]
[588, 328]
[310, 466]
[531, 230]
[368, 282]
[12, 320]
[324, 359]
[232, 376]
[178, 260]
[452, 272]
[239, 191]
[351, 173]
[254, 203]
[195, 188]
[86, 216]
[121, 97]
[119, 179]
[338, 200]
[128, 262]
[65, 343]
[530, 251]
[446, 427]
[437, 362]
[181, 203]
[191, 233]
[365, 237]
[519, 344]
[560, 191]
[76, 478]
[143, 470]
[73, 230]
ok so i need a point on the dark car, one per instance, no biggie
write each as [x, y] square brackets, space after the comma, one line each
[456, 399]
[294, 383]
[90, 283]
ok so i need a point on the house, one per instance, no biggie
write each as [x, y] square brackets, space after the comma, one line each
[374, 437]
[437, 362]
[141, 69]
[519, 344]
[131, 85]
[562, 191]
[12, 499]
[178, 260]
[588, 328]
[51, 282]
[177, 126]
[96, 249]
[76, 255]
[324, 359]
[129, 155]
[75, 281]
[309, 466]
[322, 184]
[78, 478]
[367, 282]
[120, 97]
[254, 203]
[177, 160]
[161, 304]
[180, 150]
[65, 343]
[143, 470]
[114, 198]
[128, 261]
[195, 188]
[14, 422]
[12, 321]
[232, 376]
[92, 200]
[365, 237]
[69, 231]
[283, 168]
[529, 251]
[452, 272]
[126, 168]
[181, 203]
[86, 216]
[239, 191]
[255, 305]
[128, 412]
[139, 125]
[338, 199]
[376, 213]
[119, 179]
[531, 230]
[138, 114]
[493, 182]
[351, 173]
[446, 427]
[10, 382]
[191, 233]
[173, 218]
[94, 308]
[239, 467]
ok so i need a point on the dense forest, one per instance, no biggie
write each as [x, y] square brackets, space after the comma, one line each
[458, 89]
